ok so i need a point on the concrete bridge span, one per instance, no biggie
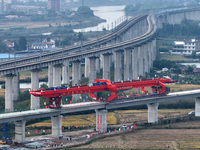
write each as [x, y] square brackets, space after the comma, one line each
[141, 45]
[134, 40]
[100, 108]
[177, 16]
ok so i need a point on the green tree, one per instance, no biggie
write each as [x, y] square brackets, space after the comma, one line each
[48, 39]
[80, 36]
[51, 13]
[3, 47]
[194, 54]
[84, 12]
[43, 86]
[16, 46]
[22, 43]
[189, 70]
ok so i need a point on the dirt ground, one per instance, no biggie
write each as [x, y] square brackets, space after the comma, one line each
[158, 139]
[174, 136]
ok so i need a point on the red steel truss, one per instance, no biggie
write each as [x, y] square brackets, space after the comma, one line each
[100, 85]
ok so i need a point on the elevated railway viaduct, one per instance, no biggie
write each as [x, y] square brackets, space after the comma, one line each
[134, 40]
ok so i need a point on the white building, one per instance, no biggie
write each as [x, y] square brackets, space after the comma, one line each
[186, 47]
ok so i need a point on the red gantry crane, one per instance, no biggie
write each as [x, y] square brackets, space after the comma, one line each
[55, 93]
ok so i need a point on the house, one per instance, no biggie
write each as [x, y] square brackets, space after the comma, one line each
[11, 16]
[196, 70]
[183, 69]
[9, 44]
[44, 45]
[50, 43]
[38, 46]
[186, 47]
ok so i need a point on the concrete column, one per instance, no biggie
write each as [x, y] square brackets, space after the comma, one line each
[141, 60]
[101, 61]
[127, 65]
[146, 62]
[154, 49]
[197, 107]
[150, 54]
[20, 131]
[106, 66]
[56, 76]
[135, 63]
[118, 66]
[98, 65]
[87, 67]
[35, 101]
[50, 76]
[9, 105]
[153, 113]
[93, 74]
[65, 72]
[16, 86]
[56, 126]
[76, 72]
[101, 120]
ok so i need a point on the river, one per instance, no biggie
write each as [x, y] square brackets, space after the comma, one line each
[114, 15]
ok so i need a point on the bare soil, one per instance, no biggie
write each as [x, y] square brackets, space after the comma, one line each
[158, 139]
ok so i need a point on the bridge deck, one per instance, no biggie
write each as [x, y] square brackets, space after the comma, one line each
[78, 107]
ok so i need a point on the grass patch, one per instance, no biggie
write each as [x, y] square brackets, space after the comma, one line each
[78, 120]
[174, 58]
[182, 87]
[189, 145]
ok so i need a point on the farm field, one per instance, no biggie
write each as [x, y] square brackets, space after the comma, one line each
[174, 57]
[156, 139]
[173, 136]
[7, 25]
[113, 118]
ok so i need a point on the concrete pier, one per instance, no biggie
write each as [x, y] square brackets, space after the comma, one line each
[87, 67]
[35, 101]
[98, 65]
[153, 113]
[20, 131]
[76, 65]
[16, 88]
[135, 66]
[141, 60]
[101, 61]
[9, 105]
[106, 66]
[127, 65]
[146, 61]
[197, 107]
[154, 49]
[65, 73]
[56, 126]
[56, 75]
[150, 54]
[101, 120]
[50, 76]
[76, 76]
[118, 66]
[92, 74]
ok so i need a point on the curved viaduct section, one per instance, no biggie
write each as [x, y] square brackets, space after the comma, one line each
[134, 40]
[177, 16]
